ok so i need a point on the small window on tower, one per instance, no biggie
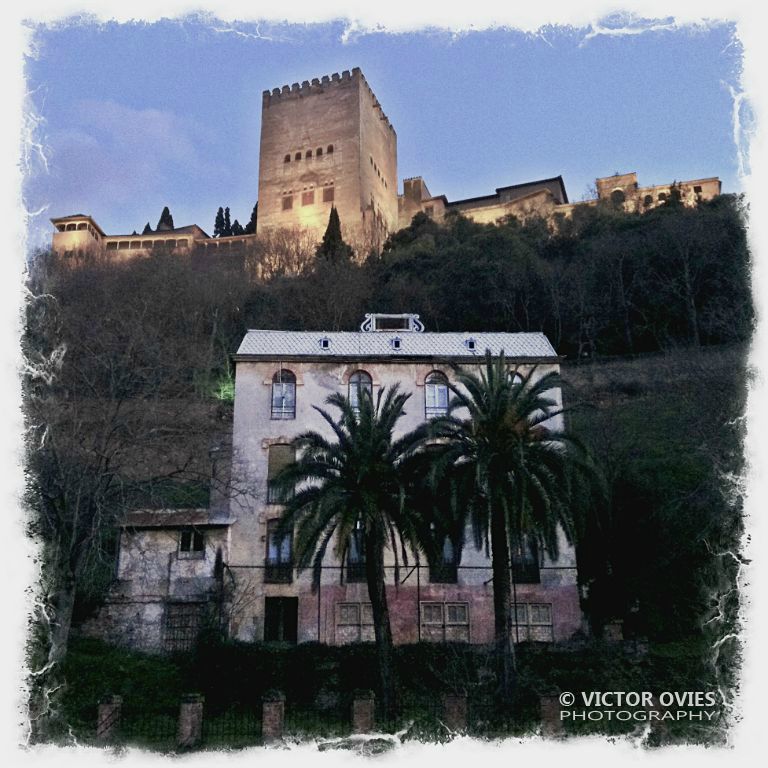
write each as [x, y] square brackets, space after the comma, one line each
[330, 149]
[297, 156]
[328, 194]
[287, 202]
[287, 159]
[319, 151]
[308, 154]
[308, 198]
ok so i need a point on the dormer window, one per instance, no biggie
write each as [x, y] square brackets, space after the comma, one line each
[325, 343]
[470, 344]
[383, 322]
[395, 343]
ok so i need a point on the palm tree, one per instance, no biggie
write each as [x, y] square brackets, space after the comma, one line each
[351, 494]
[520, 474]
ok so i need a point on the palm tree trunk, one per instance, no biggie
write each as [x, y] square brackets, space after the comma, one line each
[505, 652]
[374, 566]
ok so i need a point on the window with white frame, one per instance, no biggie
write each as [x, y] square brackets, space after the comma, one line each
[191, 544]
[436, 395]
[359, 382]
[532, 621]
[445, 622]
[354, 623]
[284, 395]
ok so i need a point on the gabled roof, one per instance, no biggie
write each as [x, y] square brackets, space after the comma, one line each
[259, 344]
[499, 190]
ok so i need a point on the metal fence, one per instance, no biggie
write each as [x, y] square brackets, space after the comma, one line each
[422, 718]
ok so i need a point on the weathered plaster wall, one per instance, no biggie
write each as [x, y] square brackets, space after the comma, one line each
[255, 431]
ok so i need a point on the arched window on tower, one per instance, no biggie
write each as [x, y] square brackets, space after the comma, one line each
[297, 156]
[287, 159]
[308, 154]
[319, 151]
[330, 149]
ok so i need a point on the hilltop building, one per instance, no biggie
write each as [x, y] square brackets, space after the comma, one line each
[327, 142]
[229, 564]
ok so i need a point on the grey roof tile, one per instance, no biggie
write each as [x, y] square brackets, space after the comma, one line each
[263, 343]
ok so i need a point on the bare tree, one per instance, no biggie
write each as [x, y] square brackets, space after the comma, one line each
[113, 423]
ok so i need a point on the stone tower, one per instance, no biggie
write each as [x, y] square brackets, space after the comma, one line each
[327, 143]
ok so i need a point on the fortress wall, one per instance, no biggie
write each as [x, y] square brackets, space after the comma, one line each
[378, 159]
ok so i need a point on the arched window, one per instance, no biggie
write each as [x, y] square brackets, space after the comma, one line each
[308, 153]
[319, 151]
[648, 201]
[359, 382]
[284, 395]
[287, 159]
[297, 156]
[330, 149]
[436, 395]
[662, 197]
[617, 198]
[515, 378]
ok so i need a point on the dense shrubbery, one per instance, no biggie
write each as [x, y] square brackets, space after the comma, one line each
[606, 283]
[322, 679]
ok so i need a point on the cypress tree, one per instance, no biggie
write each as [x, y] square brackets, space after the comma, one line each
[227, 226]
[218, 227]
[250, 227]
[333, 248]
[237, 228]
[166, 220]
[147, 229]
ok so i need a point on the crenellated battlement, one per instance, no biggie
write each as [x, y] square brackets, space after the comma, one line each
[321, 85]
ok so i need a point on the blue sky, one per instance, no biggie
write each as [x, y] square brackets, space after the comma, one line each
[137, 116]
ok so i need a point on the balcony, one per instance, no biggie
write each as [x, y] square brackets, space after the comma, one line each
[278, 573]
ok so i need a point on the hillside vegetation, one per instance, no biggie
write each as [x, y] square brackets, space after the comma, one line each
[130, 382]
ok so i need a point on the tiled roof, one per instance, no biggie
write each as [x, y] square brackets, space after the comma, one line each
[378, 344]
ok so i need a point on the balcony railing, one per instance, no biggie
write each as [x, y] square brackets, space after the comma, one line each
[526, 572]
[443, 573]
[356, 572]
[278, 494]
[286, 411]
[278, 573]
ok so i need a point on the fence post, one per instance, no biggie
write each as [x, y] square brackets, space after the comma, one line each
[108, 720]
[272, 716]
[455, 711]
[190, 729]
[363, 708]
[551, 723]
